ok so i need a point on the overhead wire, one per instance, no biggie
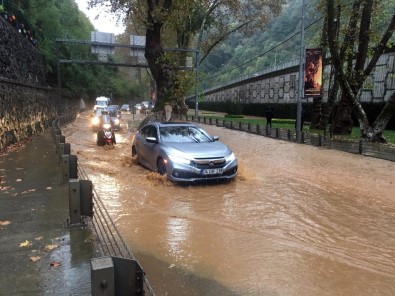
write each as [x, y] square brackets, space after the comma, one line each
[272, 48]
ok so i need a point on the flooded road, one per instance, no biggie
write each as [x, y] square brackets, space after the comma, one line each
[298, 220]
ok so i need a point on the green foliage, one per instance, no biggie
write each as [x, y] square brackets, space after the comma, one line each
[50, 20]
[278, 42]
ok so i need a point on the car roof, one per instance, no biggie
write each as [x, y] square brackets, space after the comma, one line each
[171, 123]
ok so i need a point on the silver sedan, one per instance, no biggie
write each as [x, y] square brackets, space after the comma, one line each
[184, 152]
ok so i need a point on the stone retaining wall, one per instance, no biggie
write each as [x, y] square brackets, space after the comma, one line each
[27, 104]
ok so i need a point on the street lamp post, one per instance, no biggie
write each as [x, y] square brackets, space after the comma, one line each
[196, 86]
[301, 78]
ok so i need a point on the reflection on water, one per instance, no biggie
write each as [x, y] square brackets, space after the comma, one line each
[298, 220]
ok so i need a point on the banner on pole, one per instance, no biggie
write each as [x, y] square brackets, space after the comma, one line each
[313, 73]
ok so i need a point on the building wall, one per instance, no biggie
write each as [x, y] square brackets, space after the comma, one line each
[280, 85]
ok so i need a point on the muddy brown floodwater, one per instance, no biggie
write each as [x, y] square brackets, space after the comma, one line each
[298, 220]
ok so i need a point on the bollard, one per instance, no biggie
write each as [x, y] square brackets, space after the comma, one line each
[118, 276]
[65, 168]
[64, 149]
[86, 193]
[80, 200]
[360, 146]
[74, 202]
[102, 277]
[73, 172]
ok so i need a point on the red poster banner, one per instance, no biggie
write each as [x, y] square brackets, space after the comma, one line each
[313, 73]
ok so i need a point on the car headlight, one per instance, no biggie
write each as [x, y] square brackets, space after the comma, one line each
[230, 157]
[95, 120]
[179, 159]
[116, 121]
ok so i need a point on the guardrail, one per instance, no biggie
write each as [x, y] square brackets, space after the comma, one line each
[108, 239]
[377, 150]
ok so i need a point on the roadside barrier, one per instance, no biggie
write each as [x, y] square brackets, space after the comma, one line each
[377, 150]
[115, 271]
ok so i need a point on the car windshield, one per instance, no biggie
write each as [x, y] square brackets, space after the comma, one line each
[183, 134]
[112, 112]
[101, 103]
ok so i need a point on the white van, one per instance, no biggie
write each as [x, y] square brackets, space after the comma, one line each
[101, 102]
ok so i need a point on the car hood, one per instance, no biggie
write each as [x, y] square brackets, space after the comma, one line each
[199, 150]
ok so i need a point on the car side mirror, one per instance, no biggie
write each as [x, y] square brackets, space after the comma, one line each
[215, 138]
[152, 140]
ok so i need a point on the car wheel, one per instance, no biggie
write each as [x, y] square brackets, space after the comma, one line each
[161, 166]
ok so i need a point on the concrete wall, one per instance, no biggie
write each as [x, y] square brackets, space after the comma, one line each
[280, 85]
[27, 104]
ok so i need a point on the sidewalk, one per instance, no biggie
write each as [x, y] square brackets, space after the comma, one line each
[38, 254]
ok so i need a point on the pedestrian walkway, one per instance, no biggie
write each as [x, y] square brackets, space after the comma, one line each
[38, 254]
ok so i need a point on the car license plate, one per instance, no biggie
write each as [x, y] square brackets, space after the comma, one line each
[213, 171]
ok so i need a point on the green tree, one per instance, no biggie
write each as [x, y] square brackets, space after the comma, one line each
[181, 21]
[355, 47]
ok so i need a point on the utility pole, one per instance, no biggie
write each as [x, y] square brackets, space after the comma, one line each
[196, 86]
[301, 78]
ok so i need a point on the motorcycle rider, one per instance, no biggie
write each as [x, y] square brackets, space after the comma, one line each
[105, 119]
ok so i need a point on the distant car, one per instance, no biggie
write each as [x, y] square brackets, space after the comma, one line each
[184, 152]
[115, 117]
[125, 107]
[146, 104]
[138, 106]
[115, 109]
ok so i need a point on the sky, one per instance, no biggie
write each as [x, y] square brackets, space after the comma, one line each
[106, 22]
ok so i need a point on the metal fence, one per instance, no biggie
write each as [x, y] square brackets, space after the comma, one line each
[108, 239]
[377, 150]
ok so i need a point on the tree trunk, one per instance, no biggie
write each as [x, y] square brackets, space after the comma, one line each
[316, 113]
[351, 84]
[342, 122]
[162, 72]
[375, 133]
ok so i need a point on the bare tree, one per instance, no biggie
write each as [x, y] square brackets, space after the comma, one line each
[353, 60]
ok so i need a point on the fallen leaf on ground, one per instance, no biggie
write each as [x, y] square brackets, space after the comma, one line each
[172, 266]
[35, 258]
[51, 247]
[49, 188]
[18, 180]
[26, 243]
[55, 264]
[39, 238]
[4, 223]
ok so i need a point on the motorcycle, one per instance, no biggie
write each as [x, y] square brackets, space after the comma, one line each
[105, 135]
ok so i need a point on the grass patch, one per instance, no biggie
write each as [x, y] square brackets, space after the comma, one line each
[290, 124]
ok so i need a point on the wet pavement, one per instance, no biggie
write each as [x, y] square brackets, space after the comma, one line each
[38, 254]
[298, 219]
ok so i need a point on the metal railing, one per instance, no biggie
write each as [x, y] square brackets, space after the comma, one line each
[377, 150]
[109, 240]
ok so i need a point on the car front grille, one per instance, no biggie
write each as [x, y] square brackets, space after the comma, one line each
[208, 163]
